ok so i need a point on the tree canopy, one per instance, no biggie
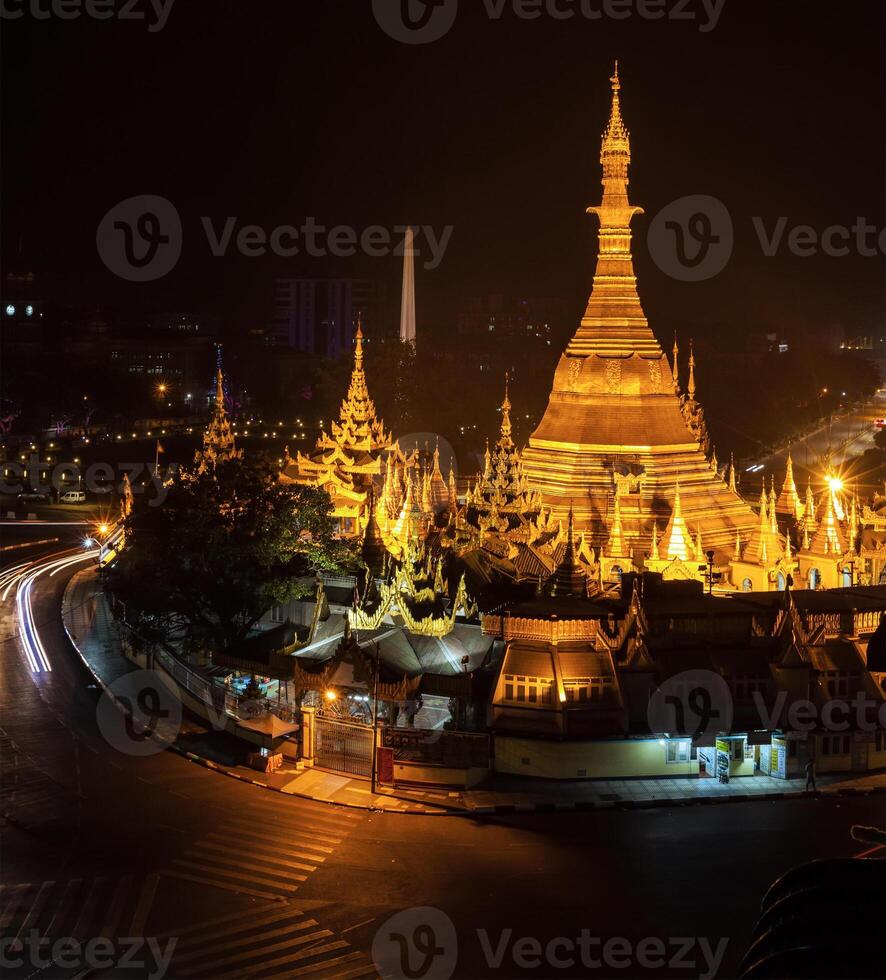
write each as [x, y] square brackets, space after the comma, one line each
[221, 550]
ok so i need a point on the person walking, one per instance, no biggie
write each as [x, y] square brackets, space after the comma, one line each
[810, 775]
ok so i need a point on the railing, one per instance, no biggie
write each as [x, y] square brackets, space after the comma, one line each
[551, 630]
[458, 750]
[208, 691]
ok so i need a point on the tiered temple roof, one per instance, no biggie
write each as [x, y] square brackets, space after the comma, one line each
[218, 439]
[347, 458]
[616, 416]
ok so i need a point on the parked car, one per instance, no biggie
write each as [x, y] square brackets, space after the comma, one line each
[73, 497]
[880, 423]
[36, 495]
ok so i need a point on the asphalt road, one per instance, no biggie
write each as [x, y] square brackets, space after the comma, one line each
[101, 843]
[840, 440]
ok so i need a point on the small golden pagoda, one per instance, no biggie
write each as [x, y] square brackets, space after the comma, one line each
[347, 459]
[218, 439]
[502, 500]
[617, 419]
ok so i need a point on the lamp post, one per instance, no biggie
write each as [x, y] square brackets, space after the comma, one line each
[374, 767]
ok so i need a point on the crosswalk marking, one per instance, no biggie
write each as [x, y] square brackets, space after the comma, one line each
[290, 848]
[293, 958]
[36, 907]
[226, 849]
[242, 876]
[89, 907]
[207, 949]
[63, 909]
[267, 870]
[224, 885]
[262, 951]
[364, 970]
[144, 905]
[14, 898]
[198, 932]
[115, 909]
[235, 825]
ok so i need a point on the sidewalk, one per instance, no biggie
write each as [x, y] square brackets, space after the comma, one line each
[97, 639]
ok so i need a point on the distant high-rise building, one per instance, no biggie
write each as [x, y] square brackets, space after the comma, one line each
[318, 316]
[407, 304]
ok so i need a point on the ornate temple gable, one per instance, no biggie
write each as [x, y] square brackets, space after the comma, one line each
[218, 439]
[416, 596]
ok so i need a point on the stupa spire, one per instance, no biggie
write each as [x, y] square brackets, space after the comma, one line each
[677, 541]
[616, 536]
[676, 365]
[691, 387]
[614, 322]
[732, 482]
[506, 441]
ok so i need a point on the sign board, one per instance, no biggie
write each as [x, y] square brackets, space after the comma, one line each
[385, 766]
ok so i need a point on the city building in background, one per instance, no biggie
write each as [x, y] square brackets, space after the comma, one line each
[318, 316]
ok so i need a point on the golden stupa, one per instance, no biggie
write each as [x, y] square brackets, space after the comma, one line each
[617, 422]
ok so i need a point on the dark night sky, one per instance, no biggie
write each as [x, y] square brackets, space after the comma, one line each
[276, 110]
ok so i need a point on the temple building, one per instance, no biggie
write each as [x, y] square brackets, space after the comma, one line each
[347, 459]
[218, 439]
[618, 422]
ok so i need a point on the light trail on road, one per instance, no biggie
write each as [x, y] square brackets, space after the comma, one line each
[28, 632]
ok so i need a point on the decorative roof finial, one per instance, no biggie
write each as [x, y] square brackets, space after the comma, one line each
[676, 370]
[691, 389]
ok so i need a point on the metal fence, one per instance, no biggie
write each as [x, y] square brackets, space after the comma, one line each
[343, 746]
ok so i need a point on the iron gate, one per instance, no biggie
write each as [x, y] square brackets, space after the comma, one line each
[343, 746]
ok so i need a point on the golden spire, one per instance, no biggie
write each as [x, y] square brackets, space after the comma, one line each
[616, 537]
[853, 521]
[732, 483]
[737, 555]
[614, 321]
[219, 393]
[506, 441]
[677, 541]
[676, 367]
[809, 511]
[773, 523]
[715, 463]
[699, 551]
[691, 388]
[656, 555]
[787, 546]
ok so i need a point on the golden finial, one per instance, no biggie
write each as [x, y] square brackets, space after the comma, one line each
[691, 388]
[616, 84]
[676, 363]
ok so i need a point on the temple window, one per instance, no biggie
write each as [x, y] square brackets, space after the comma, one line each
[814, 578]
[747, 585]
[587, 688]
[527, 690]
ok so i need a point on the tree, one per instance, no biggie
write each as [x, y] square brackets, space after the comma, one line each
[221, 550]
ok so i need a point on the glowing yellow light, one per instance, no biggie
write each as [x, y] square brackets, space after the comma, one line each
[103, 528]
[835, 483]
[331, 696]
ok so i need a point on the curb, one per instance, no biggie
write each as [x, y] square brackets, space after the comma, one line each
[501, 809]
